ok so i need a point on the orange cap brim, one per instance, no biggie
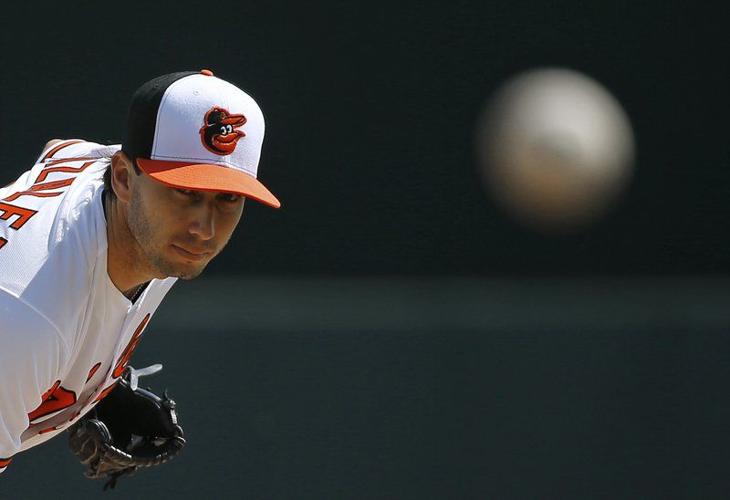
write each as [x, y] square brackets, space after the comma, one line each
[208, 177]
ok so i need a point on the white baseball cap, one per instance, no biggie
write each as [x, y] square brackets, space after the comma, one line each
[192, 130]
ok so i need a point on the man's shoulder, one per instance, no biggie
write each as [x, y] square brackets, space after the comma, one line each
[23, 323]
[68, 149]
[53, 223]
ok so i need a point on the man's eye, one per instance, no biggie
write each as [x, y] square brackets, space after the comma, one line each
[186, 192]
[229, 197]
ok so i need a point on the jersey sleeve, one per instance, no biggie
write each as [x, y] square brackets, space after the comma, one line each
[32, 354]
[56, 150]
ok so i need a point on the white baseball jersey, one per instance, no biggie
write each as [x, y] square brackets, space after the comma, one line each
[66, 332]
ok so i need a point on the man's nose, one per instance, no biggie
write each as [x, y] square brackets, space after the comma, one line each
[202, 224]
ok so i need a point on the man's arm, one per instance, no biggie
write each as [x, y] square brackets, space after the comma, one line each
[49, 145]
[31, 354]
[4, 183]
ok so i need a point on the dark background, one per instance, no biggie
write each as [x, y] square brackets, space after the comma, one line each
[371, 113]
[415, 342]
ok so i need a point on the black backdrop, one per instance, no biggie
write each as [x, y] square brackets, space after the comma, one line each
[371, 111]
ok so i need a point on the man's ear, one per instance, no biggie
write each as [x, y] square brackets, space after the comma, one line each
[122, 176]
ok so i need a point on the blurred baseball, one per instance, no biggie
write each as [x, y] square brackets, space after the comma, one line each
[556, 149]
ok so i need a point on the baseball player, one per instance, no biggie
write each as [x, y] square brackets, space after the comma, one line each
[92, 238]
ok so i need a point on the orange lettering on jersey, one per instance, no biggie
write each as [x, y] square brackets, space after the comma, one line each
[127, 354]
[93, 371]
[59, 147]
[85, 403]
[4, 462]
[2, 242]
[40, 190]
[54, 399]
[73, 170]
[66, 160]
[23, 214]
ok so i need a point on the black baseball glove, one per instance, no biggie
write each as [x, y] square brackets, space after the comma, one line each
[130, 428]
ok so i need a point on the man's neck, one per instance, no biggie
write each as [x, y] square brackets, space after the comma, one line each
[123, 263]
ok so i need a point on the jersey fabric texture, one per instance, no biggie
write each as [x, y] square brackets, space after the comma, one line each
[66, 332]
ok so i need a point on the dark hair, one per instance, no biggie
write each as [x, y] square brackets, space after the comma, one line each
[108, 177]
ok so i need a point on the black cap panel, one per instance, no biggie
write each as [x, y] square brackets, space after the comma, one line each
[142, 114]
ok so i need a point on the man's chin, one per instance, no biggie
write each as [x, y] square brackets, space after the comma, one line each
[190, 272]
[177, 270]
[190, 276]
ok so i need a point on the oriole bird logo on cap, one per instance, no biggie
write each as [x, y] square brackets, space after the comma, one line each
[219, 132]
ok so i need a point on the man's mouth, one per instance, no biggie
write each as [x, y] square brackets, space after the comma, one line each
[191, 254]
